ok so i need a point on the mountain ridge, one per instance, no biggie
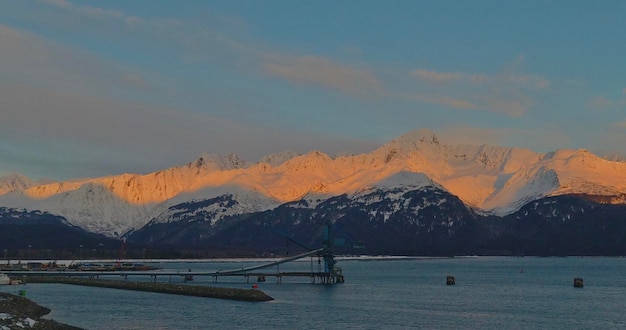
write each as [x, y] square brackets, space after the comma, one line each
[491, 179]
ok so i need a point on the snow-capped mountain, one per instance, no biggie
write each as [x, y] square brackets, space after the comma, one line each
[227, 202]
[405, 219]
[14, 182]
[489, 179]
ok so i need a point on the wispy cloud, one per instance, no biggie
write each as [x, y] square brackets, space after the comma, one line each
[514, 106]
[443, 100]
[35, 61]
[323, 72]
[599, 103]
[136, 80]
[477, 78]
[58, 99]
[443, 77]
[620, 124]
[58, 3]
[200, 43]
[197, 44]
[191, 41]
[507, 93]
[469, 135]
[611, 142]
[539, 139]
[70, 134]
[93, 12]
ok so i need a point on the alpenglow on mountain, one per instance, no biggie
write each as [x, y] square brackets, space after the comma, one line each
[489, 180]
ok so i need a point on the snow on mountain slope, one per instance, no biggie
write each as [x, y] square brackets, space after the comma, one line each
[113, 205]
[92, 207]
[149, 188]
[495, 179]
[583, 172]
[521, 188]
[278, 158]
[214, 204]
[14, 182]
[470, 172]
[395, 186]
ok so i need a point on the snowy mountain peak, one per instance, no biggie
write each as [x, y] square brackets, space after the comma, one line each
[490, 178]
[422, 136]
[213, 209]
[309, 161]
[423, 139]
[14, 182]
[277, 159]
[209, 162]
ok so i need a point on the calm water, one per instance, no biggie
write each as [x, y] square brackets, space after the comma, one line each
[490, 292]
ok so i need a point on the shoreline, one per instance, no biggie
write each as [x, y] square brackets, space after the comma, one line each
[22, 313]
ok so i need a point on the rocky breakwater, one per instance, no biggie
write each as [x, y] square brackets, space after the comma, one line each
[20, 313]
[171, 288]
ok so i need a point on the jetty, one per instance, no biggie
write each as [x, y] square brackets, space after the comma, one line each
[169, 288]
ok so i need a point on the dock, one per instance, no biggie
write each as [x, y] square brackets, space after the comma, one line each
[328, 274]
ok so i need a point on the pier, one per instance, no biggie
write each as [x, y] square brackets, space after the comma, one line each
[329, 274]
[325, 273]
[260, 272]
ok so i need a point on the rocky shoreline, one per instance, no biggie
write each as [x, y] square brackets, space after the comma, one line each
[21, 313]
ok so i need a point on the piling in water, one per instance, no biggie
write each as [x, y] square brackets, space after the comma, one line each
[578, 282]
[186, 290]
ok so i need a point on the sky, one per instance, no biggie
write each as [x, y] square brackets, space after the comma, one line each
[96, 88]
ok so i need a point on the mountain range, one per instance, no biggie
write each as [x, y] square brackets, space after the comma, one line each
[412, 195]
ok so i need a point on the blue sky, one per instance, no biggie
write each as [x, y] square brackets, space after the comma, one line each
[93, 88]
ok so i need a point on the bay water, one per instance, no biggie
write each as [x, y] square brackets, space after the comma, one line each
[490, 293]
